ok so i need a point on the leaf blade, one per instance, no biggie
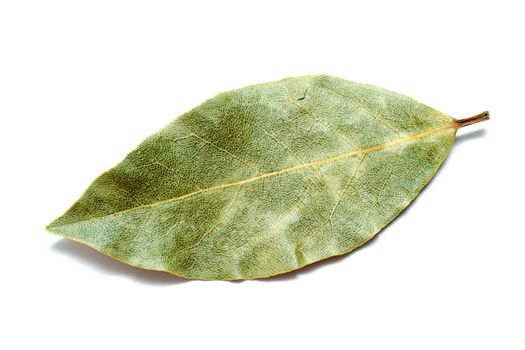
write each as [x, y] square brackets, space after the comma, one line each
[160, 234]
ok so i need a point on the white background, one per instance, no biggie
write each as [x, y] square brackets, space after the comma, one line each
[83, 82]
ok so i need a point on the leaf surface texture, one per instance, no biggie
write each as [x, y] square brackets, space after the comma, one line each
[263, 180]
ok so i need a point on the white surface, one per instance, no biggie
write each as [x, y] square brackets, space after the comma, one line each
[83, 82]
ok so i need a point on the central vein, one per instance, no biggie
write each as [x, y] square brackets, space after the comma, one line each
[313, 164]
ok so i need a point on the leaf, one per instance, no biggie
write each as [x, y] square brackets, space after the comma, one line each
[265, 179]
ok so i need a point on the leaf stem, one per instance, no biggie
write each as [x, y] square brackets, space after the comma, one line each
[472, 120]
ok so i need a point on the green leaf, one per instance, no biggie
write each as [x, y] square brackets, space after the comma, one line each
[265, 179]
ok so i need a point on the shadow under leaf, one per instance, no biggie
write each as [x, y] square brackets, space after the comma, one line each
[110, 266]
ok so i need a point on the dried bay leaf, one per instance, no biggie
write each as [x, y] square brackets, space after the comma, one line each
[265, 179]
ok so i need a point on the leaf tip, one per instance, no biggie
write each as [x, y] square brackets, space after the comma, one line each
[52, 227]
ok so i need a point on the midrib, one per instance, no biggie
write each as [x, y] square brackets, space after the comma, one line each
[314, 164]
